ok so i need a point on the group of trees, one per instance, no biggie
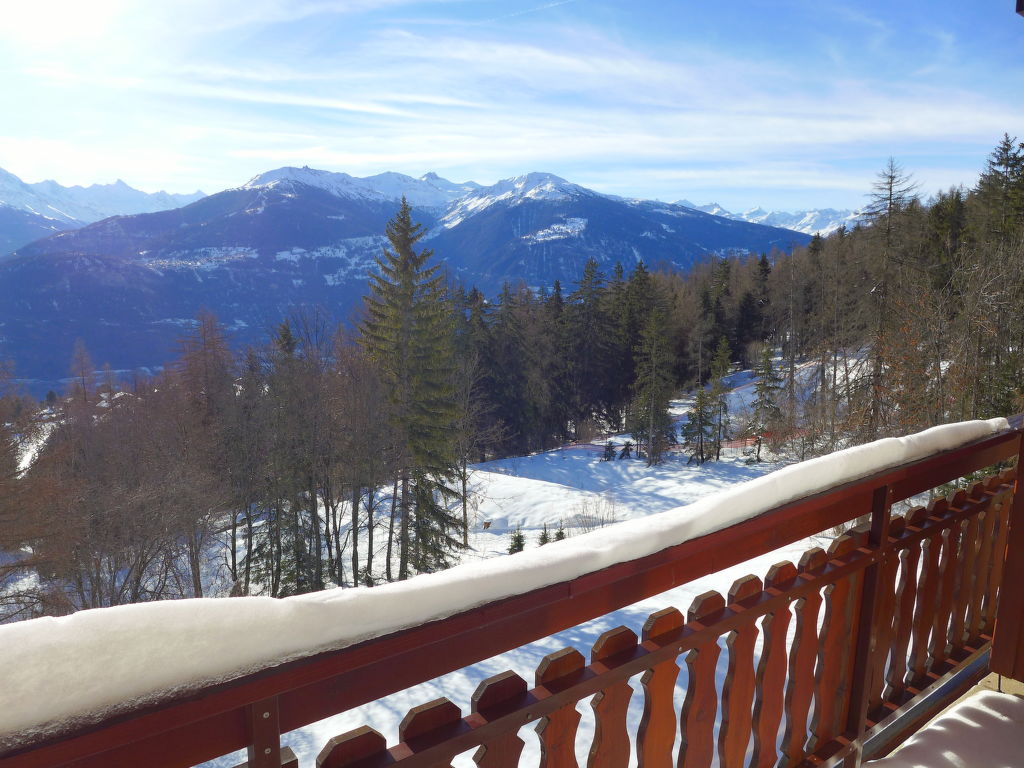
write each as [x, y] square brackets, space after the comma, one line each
[911, 320]
[326, 457]
[337, 456]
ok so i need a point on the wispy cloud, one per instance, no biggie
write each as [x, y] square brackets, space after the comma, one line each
[631, 101]
[525, 11]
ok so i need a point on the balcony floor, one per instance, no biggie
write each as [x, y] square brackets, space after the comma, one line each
[982, 728]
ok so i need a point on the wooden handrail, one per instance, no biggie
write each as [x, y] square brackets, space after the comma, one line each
[256, 708]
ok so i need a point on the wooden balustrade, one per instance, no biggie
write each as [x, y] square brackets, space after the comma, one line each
[814, 654]
[931, 619]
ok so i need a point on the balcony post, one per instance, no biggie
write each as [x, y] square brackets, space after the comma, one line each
[867, 629]
[264, 750]
[1008, 639]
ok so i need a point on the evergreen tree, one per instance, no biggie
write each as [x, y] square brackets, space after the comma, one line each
[609, 451]
[589, 339]
[719, 395]
[1000, 190]
[409, 333]
[649, 420]
[560, 533]
[699, 427]
[893, 193]
[518, 542]
[545, 537]
[766, 414]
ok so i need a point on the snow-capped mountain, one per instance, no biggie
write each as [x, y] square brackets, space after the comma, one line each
[823, 221]
[428, 191]
[83, 205]
[511, 192]
[130, 286]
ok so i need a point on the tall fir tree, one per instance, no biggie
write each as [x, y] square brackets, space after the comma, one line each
[719, 395]
[409, 333]
[766, 415]
[699, 427]
[648, 416]
[588, 340]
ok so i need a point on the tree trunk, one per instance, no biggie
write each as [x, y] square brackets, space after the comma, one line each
[355, 533]
[370, 510]
[193, 563]
[464, 473]
[391, 532]
[403, 535]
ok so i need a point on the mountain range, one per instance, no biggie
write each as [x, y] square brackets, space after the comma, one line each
[820, 221]
[131, 285]
[31, 211]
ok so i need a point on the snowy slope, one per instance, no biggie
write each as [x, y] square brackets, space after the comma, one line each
[96, 661]
[514, 191]
[82, 205]
[823, 221]
[19, 227]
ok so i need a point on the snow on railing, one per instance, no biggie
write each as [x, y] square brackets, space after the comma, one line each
[193, 679]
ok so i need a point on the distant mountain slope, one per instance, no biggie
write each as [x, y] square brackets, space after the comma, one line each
[18, 227]
[83, 205]
[540, 228]
[129, 286]
[823, 221]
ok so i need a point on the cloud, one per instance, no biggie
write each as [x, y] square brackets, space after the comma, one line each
[229, 88]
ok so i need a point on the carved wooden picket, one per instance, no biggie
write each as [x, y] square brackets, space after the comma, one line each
[788, 642]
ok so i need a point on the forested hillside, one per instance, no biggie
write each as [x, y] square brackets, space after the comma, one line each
[339, 456]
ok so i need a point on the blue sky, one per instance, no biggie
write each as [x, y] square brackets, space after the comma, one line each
[780, 103]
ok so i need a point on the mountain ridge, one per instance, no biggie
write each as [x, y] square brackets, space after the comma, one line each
[131, 285]
[78, 205]
[820, 221]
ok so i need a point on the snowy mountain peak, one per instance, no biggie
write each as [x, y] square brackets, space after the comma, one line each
[544, 186]
[822, 221]
[519, 189]
[304, 175]
[79, 205]
[429, 191]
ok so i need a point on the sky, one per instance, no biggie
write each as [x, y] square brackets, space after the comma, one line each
[786, 104]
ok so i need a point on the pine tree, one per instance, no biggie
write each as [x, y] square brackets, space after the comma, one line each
[720, 395]
[545, 537]
[609, 452]
[518, 542]
[560, 533]
[766, 413]
[698, 429]
[892, 195]
[588, 338]
[1001, 190]
[409, 333]
[649, 419]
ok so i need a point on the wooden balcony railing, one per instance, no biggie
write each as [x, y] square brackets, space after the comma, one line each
[831, 660]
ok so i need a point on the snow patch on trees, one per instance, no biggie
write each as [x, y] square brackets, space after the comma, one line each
[94, 662]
